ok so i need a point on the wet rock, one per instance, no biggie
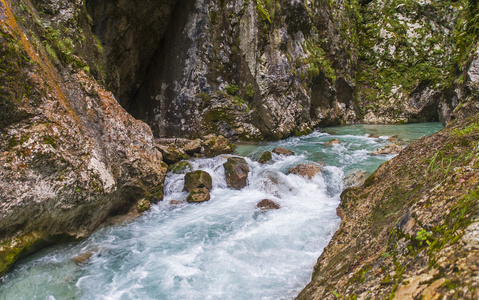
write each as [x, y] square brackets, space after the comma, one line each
[197, 179]
[176, 202]
[267, 204]
[198, 195]
[306, 170]
[283, 151]
[216, 145]
[82, 258]
[193, 147]
[265, 157]
[333, 142]
[143, 205]
[181, 167]
[171, 154]
[355, 178]
[393, 138]
[392, 148]
[236, 172]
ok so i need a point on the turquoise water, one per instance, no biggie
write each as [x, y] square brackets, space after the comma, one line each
[222, 249]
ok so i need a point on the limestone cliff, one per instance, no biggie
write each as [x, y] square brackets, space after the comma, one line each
[70, 155]
[411, 231]
[247, 69]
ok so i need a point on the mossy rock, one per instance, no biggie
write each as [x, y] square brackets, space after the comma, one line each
[236, 172]
[198, 195]
[181, 167]
[216, 145]
[197, 179]
[143, 205]
[265, 157]
[11, 251]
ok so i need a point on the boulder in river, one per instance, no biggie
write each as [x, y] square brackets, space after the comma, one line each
[356, 178]
[216, 145]
[193, 147]
[198, 195]
[82, 258]
[267, 204]
[197, 179]
[283, 151]
[392, 148]
[236, 172]
[333, 142]
[143, 205]
[171, 154]
[306, 170]
[265, 157]
[181, 167]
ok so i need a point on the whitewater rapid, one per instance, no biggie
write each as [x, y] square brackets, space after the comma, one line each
[225, 248]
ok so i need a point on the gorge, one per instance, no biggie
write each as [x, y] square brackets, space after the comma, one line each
[91, 89]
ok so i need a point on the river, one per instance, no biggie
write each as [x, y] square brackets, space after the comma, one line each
[225, 248]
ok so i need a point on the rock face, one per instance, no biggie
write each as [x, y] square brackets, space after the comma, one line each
[236, 172]
[306, 170]
[355, 178]
[411, 230]
[392, 148]
[283, 151]
[245, 69]
[267, 204]
[197, 179]
[70, 155]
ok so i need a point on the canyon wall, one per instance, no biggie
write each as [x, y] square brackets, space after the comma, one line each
[87, 86]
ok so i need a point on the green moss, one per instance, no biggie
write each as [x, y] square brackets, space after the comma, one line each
[11, 251]
[143, 205]
[50, 140]
[467, 130]
[249, 91]
[232, 89]
[264, 14]
[181, 167]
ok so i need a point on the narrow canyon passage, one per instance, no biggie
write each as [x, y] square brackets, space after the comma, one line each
[225, 248]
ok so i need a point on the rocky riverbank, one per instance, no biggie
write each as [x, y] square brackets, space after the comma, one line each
[410, 232]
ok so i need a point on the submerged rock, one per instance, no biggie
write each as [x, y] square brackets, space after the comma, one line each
[306, 170]
[276, 183]
[82, 258]
[198, 195]
[216, 145]
[355, 178]
[236, 172]
[283, 151]
[181, 167]
[265, 157]
[267, 204]
[333, 142]
[197, 179]
[392, 148]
